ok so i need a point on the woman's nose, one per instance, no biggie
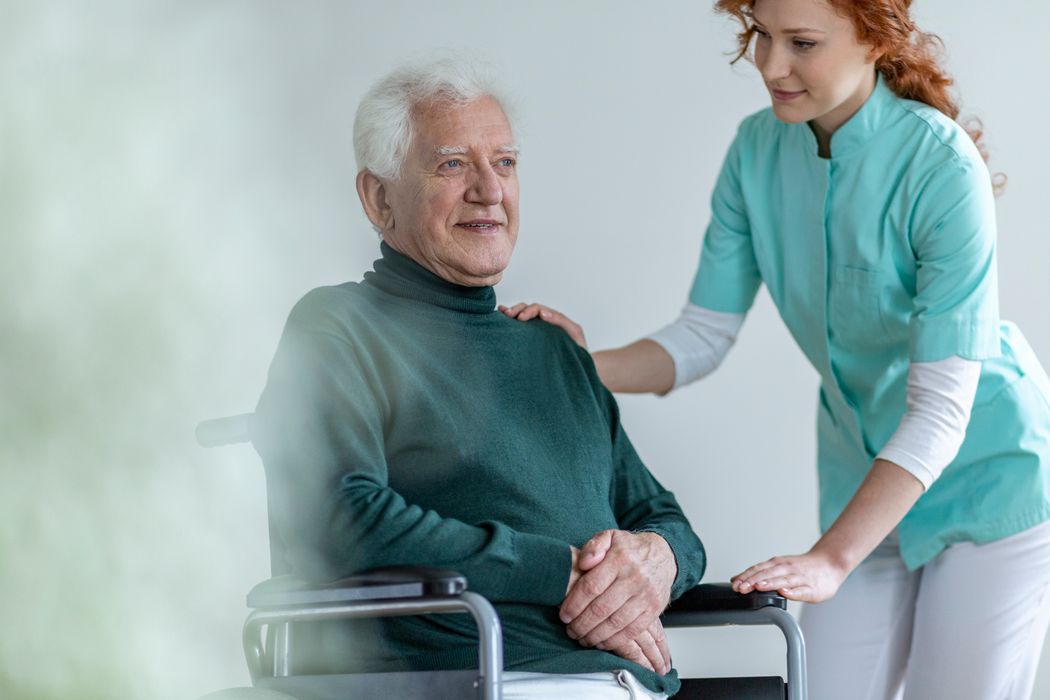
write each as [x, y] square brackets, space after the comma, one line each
[774, 63]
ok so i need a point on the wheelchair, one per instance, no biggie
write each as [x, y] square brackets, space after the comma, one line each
[281, 605]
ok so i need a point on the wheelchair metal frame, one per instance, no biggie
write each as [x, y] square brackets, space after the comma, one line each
[707, 605]
[490, 646]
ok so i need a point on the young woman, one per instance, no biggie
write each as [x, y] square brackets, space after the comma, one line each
[867, 212]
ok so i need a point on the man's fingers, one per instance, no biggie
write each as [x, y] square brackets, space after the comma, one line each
[652, 652]
[647, 621]
[635, 629]
[656, 630]
[591, 585]
[632, 652]
[607, 606]
[590, 558]
[594, 550]
[624, 624]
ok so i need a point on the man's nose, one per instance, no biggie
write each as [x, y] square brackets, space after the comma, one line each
[485, 186]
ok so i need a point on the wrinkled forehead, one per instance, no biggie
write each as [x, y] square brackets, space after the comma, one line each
[451, 127]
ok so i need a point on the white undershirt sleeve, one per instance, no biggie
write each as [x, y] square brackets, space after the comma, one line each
[940, 397]
[697, 341]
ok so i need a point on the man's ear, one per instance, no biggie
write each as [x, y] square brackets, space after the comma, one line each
[373, 194]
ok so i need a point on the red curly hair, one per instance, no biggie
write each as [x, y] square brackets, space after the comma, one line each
[909, 58]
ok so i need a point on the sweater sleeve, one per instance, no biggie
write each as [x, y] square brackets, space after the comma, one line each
[641, 504]
[320, 432]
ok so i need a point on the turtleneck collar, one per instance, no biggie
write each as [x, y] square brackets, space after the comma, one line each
[402, 276]
[862, 127]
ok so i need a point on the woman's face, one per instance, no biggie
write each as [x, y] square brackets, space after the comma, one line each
[810, 59]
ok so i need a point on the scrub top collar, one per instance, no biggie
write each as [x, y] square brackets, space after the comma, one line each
[862, 127]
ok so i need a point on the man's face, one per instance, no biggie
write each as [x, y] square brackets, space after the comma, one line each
[454, 210]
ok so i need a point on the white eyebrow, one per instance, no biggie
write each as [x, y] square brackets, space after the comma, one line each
[461, 151]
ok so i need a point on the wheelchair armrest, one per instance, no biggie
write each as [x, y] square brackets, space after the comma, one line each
[717, 604]
[392, 583]
[720, 597]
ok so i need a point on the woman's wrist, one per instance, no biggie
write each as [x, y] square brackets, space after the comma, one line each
[843, 559]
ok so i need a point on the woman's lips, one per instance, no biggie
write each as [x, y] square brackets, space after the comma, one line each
[786, 95]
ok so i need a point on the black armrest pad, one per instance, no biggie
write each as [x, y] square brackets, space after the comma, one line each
[721, 596]
[393, 583]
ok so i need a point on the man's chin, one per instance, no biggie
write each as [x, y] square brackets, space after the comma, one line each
[483, 275]
[484, 264]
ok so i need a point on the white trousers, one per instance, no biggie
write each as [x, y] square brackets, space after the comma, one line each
[612, 685]
[517, 685]
[969, 625]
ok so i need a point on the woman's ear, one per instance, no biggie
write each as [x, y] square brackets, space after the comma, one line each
[373, 194]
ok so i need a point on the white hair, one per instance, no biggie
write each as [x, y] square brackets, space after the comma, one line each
[383, 127]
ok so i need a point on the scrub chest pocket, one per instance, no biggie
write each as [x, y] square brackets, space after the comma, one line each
[855, 314]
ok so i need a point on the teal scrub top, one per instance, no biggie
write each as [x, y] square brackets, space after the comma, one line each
[882, 255]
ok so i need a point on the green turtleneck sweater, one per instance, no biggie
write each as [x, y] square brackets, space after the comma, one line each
[407, 421]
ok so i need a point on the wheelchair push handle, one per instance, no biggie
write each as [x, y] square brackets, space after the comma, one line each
[229, 430]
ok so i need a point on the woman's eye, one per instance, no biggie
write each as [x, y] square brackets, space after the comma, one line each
[803, 44]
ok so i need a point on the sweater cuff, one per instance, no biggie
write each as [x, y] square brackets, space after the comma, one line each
[541, 573]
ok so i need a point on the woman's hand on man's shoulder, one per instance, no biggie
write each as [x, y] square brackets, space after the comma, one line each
[527, 312]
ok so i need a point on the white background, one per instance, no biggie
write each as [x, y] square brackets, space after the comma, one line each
[174, 175]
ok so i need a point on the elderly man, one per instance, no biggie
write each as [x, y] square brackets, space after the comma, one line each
[407, 422]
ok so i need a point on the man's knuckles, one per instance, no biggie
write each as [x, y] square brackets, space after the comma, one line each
[591, 587]
[598, 610]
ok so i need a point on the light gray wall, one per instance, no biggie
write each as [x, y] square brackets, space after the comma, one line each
[174, 175]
